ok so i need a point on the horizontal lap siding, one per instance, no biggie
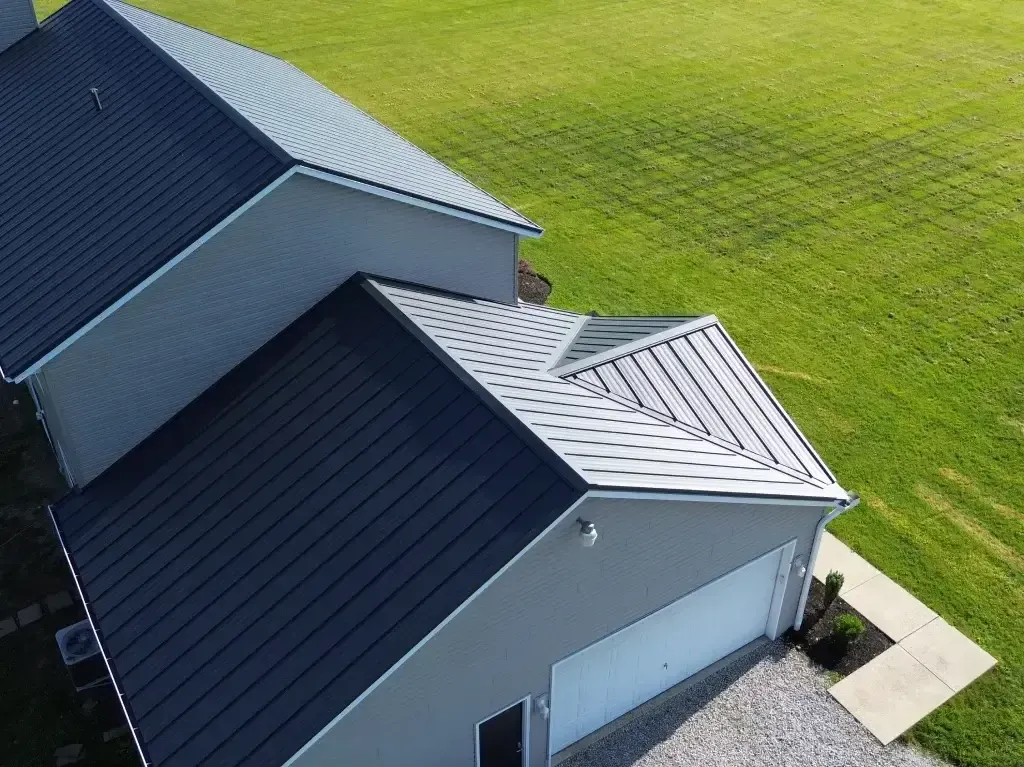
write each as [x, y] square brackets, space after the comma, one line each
[556, 600]
[153, 356]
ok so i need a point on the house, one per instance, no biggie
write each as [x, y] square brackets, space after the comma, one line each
[339, 498]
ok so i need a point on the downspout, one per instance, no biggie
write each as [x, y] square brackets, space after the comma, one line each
[840, 508]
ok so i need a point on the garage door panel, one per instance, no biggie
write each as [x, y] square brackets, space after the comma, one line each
[622, 671]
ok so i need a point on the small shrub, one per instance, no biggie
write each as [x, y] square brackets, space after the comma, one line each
[846, 629]
[833, 583]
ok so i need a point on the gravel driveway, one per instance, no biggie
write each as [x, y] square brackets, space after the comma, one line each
[769, 708]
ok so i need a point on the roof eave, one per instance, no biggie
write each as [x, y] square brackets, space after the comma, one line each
[829, 496]
[527, 229]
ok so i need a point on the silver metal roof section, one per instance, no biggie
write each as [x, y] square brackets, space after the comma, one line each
[599, 334]
[312, 124]
[612, 440]
[699, 380]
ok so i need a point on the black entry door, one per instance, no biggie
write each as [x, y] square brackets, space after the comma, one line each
[501, 739]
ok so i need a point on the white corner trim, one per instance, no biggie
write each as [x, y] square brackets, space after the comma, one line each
[408, 199]
[103, 652]
[616, 352]
[788, 551]
[157, 274]
[437, 629]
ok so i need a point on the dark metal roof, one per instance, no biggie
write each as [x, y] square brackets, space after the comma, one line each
[272, 551]
[94, 201]
[614, 441]
[314, 125]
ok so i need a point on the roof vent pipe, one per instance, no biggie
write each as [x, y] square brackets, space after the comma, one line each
[841, 507]
[17, 19]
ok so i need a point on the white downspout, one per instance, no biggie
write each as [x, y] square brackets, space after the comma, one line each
[840, 508]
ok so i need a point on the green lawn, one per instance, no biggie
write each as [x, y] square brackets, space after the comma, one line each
[841, 182]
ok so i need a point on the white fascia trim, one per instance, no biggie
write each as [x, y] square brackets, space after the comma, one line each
[617, 352]
[103, 652]
[157, 274]
[416, 201]
[642, 495]
[330, 725]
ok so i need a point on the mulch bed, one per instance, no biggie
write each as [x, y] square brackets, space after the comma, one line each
[532, 286]
[814, 636]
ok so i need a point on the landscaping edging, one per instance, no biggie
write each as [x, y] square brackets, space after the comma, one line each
[814, 638]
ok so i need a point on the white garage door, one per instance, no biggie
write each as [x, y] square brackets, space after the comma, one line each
[617, 674]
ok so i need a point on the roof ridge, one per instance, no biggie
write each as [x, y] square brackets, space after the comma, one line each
[632, 347]
[243, 122]
[560, 463]
[402, 138]
[700, 434]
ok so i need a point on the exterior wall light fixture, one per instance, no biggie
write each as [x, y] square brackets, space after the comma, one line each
[588, 533]
[542, 706]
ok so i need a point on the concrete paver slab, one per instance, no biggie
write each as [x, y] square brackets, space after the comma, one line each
[948, 654]
[30, 614]
[7, 626]
[836, 555]
[891, 693]
[889, 606]
[58, 601]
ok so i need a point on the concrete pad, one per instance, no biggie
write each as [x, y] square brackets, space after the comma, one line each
[58, 601]
[30, 614]
[117, 732]
[7, 626]
[889, 606]
[891, 693]
[69, 755]
[948, 654]
[836, 555]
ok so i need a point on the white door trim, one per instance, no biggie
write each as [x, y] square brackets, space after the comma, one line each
[525, 703]
[779, 595]
[771, 628]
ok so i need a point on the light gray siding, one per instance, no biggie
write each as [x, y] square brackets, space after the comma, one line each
[142, 364]
[557, 599]
[17, 19]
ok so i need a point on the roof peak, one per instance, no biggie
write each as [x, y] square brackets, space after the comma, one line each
[304, 122]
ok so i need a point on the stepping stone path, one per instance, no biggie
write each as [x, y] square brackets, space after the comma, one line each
[29, 615]
[930, 662]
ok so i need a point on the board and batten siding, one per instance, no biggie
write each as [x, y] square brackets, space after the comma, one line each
[555, 600]
[154, 355]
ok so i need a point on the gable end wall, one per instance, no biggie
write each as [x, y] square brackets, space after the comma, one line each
[555, 600]
[140, 366]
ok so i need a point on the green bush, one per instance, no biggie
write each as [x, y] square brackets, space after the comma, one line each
[847, 629]
[833, 583]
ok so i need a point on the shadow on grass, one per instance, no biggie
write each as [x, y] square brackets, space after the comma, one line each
[40, 711]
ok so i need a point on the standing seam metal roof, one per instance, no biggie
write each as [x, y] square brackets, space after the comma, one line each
[311, 123]
[612, 441]
[93, 201]
[263, 558]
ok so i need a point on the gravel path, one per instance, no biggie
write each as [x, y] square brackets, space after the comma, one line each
[769, 708]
